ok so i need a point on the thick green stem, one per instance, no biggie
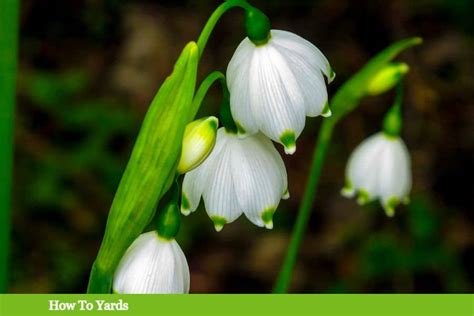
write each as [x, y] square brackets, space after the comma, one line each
[304, 212]
[9, 12]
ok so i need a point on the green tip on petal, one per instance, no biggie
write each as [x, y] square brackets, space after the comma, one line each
[390, 206]
[332, 74]
[348, 190]
[286, 195]
[241, 132]
[363, 197]
[267, 217]
[219, 222]
[288, 139]
[326, 110]
[213, 122]
[185, 205]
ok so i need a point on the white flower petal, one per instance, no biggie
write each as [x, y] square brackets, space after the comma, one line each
[362, 168]
[257, 180]
[277, 100]
[395, 176]
[182, 266]
[310, 80]
[219, 195]
[191, 192]
[152, 266]
[197, 179]
[305, 49]
[280, 168]
[238, 82]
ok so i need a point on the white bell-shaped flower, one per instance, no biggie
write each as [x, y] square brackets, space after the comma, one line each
[152, 265]
[239, 176]
[274, 86]
[379, 168]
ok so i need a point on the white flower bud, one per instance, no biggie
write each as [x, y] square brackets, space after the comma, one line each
[198, 141]
[152, 265]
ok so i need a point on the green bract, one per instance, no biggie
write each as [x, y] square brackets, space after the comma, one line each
[151, 168]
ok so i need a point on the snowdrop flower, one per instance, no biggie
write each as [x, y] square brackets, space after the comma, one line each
[239, 176]
[152, 265]
[379, 168]
[275, 85]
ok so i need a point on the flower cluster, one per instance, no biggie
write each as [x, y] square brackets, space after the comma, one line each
[273, 87]
[274, 80]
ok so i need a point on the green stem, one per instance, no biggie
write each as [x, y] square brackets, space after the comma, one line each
[225, 114]
[204, 88]
[304, 211]
[392, 122]
[214, 18]
[345, 100]
[9, 13]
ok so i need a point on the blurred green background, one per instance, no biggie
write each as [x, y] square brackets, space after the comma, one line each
[89, 69]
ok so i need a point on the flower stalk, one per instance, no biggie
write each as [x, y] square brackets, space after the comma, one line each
[345, 100]
[392, 122]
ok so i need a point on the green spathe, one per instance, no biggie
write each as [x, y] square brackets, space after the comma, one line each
[151, 168]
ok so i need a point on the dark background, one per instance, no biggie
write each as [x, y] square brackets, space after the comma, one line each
[88, 71]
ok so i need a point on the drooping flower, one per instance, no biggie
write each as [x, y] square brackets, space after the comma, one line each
[379, 168]
[275, 85]
[198, 141]
[239, 176]
[152, 265]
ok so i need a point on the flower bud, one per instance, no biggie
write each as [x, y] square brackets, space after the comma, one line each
[152, 265]
[198, 142]
[387, 78]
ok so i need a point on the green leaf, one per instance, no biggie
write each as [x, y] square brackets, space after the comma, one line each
[151, 168]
